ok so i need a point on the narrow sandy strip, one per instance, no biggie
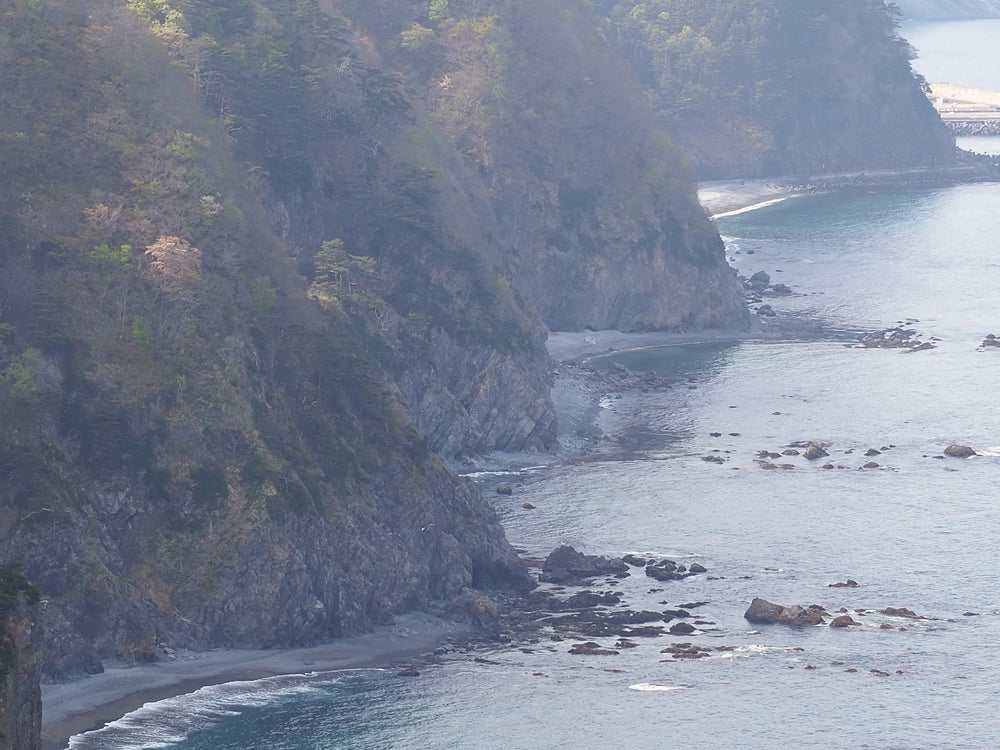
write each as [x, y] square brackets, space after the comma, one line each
[727, 197]
[76, 707]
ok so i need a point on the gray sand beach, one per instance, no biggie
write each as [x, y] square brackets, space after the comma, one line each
[89, 703]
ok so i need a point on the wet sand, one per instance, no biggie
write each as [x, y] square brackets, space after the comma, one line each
[89, 703]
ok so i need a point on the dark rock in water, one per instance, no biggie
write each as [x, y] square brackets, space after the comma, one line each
[959, 451]
[764, 612]
[585, 600]
[668, 570]
[814, 451]
[505, 489]
[990, 340]
[790, 452]
[682, 628]
[626, 643]
[873, 452]
[408, 672]
[843, 621]
[894, 338]
[766, 311]
[849, 583]
[759, 281]
[635, 561]
[714, 459]
[687, 651]
[527, 506]
[780, 289]
[592, 649]
[870, 465]
[566, 565]
[901, 612]
[671, 614]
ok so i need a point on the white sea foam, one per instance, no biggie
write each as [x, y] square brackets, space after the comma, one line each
[754, 207]
[648, 687]
[163, 724]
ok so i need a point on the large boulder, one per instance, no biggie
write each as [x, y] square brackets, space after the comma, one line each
[959, 451]
[764, 612]
[565, 565]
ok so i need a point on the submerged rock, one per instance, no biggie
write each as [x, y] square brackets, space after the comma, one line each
[590, 648]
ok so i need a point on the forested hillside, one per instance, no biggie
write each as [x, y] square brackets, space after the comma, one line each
[766, 87]
[264, 264]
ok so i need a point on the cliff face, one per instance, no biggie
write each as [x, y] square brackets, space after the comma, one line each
[202, 441]
[254, 281]
[20, 662]
[590, 210]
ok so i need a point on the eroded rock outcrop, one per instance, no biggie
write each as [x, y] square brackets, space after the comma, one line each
[764, 612]
[565, 565]
[20, 662]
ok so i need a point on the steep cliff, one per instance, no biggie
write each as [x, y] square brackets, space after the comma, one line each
[20, 662]
[201, 446]
[590, 210]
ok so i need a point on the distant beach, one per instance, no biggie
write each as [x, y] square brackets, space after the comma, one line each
[89, 703]
[726, 197]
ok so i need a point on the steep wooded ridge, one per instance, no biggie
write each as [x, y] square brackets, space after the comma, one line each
[263, 262]
[778, 87]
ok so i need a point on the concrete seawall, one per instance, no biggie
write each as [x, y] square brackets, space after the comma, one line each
[967, 110]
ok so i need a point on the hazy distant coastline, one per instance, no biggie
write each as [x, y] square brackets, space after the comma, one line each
[940, 10]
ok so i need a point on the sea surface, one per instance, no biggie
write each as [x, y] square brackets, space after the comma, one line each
[964, 53]
[918, 531]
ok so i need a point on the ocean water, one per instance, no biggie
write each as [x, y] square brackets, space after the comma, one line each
[918, 531]
[960, 52]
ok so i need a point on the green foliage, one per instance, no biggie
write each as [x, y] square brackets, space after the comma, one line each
[438, 12]
[263, 297]
[140, 332]
[115, 257]
[12, 584]
[416, 37]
